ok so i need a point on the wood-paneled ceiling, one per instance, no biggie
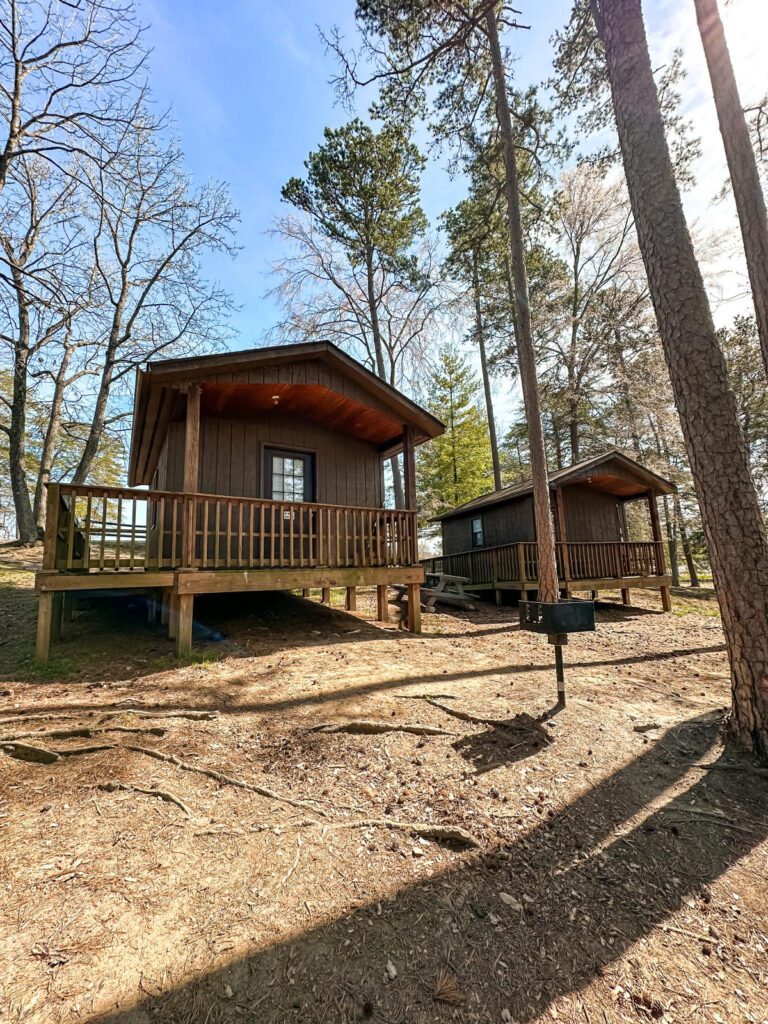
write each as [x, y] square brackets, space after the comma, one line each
[314, 401]
[160, 398]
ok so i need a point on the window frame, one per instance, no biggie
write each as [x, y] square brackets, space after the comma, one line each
[475, 534]
[306, 457]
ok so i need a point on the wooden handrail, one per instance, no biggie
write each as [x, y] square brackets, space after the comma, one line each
[102, 528]
[82, 490]
[586, 560]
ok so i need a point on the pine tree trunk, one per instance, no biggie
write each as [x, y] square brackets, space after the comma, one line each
[685, 542]
[51, 437]
[742, 165]
[526, 355]
[480, 332]
[671, 528]
[733, 523]
[381, 370]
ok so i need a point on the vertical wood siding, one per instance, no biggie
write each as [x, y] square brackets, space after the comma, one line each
[232, 450]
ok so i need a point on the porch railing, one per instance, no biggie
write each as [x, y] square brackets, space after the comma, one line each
[590, 560]
[108, 529]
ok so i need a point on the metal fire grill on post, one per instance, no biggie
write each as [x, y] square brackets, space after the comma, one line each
[557, 619]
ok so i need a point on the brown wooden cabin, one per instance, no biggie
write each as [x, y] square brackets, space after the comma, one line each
[492, 539]
[264, 471]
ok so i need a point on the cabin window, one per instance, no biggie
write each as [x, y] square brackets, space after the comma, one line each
[477, 532]
[289, 475]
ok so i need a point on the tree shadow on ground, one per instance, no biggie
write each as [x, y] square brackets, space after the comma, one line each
[586, 883]
[504, 743]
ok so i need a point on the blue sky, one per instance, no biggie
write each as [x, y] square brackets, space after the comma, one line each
[248, 83]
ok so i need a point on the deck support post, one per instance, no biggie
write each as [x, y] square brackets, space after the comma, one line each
[305, 592]
[165, 607]
[414, 607]
[498, 595]
[666, 599]
[625, 597]
[325, 597]
[382, 605]
[44, 626]
[185, 607]
[351, 599]
[173, 616]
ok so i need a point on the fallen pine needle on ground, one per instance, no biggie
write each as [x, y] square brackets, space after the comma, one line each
[297, 845]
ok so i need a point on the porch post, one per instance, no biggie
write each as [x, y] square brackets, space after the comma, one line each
[351, 600]
[409, 474]
[190, 481]
[192, 439]
[653, 509]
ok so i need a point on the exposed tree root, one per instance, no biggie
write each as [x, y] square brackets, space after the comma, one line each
[365, 727]
[28, 752]
[465, 716]
[224, 780]
[39, 754]
[163, 794]
[709, 766]
[84, 732]
[425, 830]
[48, 716]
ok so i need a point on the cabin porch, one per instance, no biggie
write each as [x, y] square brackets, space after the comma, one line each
[581, 566]
[179, 544]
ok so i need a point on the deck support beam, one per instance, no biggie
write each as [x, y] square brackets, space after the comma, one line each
[626, 599]
[382, 603]
[350, 602]
[325, 597]
[414, 607]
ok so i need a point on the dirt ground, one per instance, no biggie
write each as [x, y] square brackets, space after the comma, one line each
[478, 859]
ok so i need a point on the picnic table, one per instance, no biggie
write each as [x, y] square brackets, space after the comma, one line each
[447, 589]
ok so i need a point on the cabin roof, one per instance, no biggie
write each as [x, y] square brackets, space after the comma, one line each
[159, 398]
[594, 472]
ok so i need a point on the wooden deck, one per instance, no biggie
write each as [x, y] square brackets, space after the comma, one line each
[591, 566]
[182, 544]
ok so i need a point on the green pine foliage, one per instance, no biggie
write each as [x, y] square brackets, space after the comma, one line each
[456, 467]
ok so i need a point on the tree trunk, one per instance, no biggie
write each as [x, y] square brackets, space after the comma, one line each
[526, 355]
[685, 542]
[17, 428]
[98, 422]
[733, 523]
[671, 529]
[480, 332]
[628, 398]
[381, 371]
[573, 429]
[742, 165]
[51, 437]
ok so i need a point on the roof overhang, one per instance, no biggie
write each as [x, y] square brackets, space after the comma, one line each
[635, 481]
[160, 389]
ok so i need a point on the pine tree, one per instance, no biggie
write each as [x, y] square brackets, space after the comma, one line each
[457, 466]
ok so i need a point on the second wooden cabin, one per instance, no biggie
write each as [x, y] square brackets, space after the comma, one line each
[492, 539]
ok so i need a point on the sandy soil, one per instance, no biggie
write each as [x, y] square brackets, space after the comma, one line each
[611, 867]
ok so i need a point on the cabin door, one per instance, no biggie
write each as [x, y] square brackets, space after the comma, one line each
[289, 476]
